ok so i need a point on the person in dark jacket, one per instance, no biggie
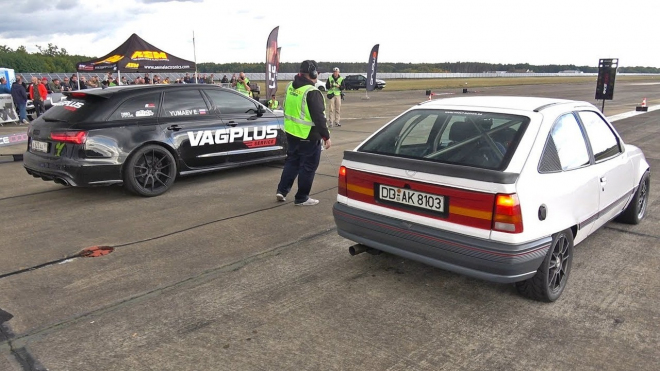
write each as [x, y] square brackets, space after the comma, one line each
[19, 94]
[306, 127]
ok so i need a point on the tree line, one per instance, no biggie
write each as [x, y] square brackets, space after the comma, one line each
[52, 59]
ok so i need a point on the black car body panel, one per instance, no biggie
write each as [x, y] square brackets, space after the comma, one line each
[205, 128]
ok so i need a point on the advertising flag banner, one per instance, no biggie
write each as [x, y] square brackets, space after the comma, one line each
[272, 63]
[371, 68]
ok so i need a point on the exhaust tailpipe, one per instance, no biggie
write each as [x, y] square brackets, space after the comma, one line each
[357, 249]
[61, 181]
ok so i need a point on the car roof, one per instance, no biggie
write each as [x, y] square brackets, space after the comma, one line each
[107, 92]
[501, 102]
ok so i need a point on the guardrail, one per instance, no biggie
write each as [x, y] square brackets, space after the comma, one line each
[323, 76]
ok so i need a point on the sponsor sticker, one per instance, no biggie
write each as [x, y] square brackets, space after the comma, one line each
[257, 136]
[70, 105]
[202, 112]
[144, 113]
[126, 115]
[149, 105]
[186, 112]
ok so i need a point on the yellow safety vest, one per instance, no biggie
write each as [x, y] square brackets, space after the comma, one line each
[334, 90]
[241, 88]
[273, 104]
[297, 120]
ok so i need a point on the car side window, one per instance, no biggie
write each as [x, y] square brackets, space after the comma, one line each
[141, 106]
[604, 143]
[224, 102]
[566, 148]
[179, 103]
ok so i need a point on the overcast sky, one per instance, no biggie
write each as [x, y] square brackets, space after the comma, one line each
[507, 31]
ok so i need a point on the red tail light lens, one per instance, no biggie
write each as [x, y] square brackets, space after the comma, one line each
[78, 95]
[76, 137]
[507, 217]
[342, 181]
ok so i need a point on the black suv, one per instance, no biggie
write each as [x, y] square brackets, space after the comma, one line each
[144, 136]
[355, 82]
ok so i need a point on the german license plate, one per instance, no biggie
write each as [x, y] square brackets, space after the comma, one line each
[39, 146]
[412, 198]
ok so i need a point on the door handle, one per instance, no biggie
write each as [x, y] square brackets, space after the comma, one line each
[174, 127]
[232, 123]
[603, 182]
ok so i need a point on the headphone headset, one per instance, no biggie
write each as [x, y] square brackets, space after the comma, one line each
[313, 73]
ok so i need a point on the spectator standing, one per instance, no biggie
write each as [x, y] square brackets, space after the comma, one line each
[38, 94]
[93, 82]
[54, 86]
[124, 80]
[233, 80]
[20, 97]
[3, 86]
[273, 104]
[334, 85]
[73, 83]
[242, 84]
[186, 79]
[210, 80]
[66, 84]
[111, 82]
[305, 127]
[224, 80]
[83, 83]
[44, 80]
[147, 80]
[167, 80]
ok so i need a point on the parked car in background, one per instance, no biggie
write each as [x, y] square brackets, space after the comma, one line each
[497, 188]
[144, 136]
[320, 84]
[356, 82]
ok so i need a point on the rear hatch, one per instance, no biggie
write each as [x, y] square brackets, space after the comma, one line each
[439, 168]
[60, 130]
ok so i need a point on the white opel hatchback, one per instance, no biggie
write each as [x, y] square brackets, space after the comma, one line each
[498, 188]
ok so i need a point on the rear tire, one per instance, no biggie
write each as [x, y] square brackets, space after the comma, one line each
[150, 171]
[635, 211]
[551, 277]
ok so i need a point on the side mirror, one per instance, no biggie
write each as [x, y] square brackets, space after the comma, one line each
[260, 110]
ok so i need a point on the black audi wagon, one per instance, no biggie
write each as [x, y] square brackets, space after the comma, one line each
[144, 136]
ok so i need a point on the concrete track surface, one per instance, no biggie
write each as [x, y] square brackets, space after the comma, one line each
[216, 275]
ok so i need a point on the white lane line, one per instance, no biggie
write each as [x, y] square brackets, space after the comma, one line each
[629, 114]
[366, 118]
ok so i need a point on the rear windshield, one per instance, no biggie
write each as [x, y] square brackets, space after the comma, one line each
[73, 110]
[477, 139]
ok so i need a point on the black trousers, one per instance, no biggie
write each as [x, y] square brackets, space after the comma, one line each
[302, 160]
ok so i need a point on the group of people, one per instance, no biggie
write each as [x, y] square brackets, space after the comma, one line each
[21, 91]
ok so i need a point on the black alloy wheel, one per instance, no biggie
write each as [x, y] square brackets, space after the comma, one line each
[550, 279]
[150, 171]
[634, 213]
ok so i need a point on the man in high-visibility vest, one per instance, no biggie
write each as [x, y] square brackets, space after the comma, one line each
[306, 129]
[334, 85]
[242, 84]
[273, 104]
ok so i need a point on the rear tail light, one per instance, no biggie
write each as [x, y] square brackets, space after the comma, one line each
[507, 217]
[76, 137]
[78, 95]
[342, 181]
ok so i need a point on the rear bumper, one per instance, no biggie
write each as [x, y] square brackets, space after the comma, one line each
[81, 173]
[487, 260]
